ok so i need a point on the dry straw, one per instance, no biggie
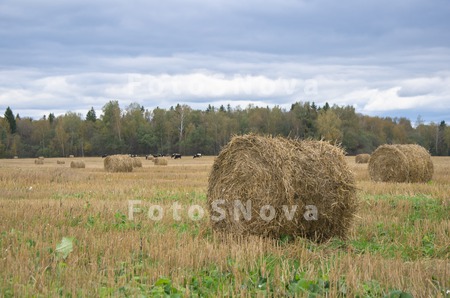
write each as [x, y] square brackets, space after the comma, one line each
[39, 161]
[401, 163]
[159, 161]
[60, 162]
[279, 172]
[118, 163]
[362, 158]
[77, 165]
[137, 162]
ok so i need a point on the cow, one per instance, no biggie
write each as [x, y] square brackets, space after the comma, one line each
[176, 155]
[198, 155]
[104, 155]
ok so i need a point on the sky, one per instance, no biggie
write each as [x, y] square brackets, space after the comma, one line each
[385, 58]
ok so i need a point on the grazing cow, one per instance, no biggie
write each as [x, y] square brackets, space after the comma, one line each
[198, 155]
[176, 155]
[104, 155]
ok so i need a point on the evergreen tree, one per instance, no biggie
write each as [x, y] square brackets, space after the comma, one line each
[91, 116]
[51, 118]
[9, 116]
[442, 146]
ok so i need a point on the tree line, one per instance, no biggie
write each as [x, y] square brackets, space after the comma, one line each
[181, 129]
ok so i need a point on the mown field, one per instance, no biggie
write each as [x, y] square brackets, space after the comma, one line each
[65, 232]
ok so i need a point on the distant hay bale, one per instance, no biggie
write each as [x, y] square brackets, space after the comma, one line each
[362, 158]
[160, 161]
[15, 157]
[401, 163]
[39, 161]
[77, 165]
[307, 183]
[118, 163]
[41, 157]
[60, 162]
[137, 162]
[71, 156]
[150, 157]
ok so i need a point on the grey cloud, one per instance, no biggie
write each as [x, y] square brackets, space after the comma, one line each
[287, 27]
[359, 52]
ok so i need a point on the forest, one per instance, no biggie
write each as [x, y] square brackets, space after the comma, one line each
[136, 130]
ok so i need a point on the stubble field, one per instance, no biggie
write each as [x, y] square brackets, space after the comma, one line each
[66, 232]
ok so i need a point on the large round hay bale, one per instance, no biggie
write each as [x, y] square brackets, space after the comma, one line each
[160, 161]
[60, 162]
[137, 162]
[362, 158]
[77, 164]
[307, 183]
[118, 163]
[39, 161]
[401, 163]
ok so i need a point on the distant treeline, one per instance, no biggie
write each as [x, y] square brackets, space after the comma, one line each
[136, 130]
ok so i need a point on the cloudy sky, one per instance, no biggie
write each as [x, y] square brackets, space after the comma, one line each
[386, 58]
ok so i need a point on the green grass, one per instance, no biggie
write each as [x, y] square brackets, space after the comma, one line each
[387, 238]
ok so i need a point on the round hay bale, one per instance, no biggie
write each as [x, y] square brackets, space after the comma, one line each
[60, 162]
[15, 157]
[71, 156]
[77, 165]
[362, 158]
[401, 163]
[160, 161]
[307, 183]
[39, 161]
[118, 163]
[150, 157]
[137, 162]
[41, 157]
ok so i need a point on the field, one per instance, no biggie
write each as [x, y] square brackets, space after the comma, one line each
[66, 232]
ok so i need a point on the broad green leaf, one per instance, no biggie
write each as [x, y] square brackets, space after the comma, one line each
[65, 247]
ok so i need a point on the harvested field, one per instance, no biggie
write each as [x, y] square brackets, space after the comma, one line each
[398, 241]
